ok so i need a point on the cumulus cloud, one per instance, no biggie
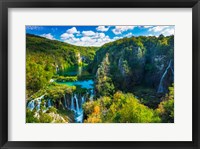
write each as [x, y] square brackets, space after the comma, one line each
[70, 33]
[128, 35]
[98, 35]
[158, 28]
[168, 31]
[120, 29]
[147, 26]
[97, 40]
[88, 33]
[91, 38]
[72, 30]
[116, 38]
[165, 30]
[66, 36]
[49, 36]
[102, 28]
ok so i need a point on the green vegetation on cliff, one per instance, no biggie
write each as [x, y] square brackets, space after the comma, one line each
[134, 65]
[45, 57]
[126, 74]
[126, 108]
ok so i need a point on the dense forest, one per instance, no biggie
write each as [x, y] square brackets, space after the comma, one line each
[129, 80]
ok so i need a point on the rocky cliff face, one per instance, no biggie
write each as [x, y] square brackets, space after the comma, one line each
[136, 61]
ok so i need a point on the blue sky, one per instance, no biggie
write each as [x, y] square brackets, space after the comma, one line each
[96, 35]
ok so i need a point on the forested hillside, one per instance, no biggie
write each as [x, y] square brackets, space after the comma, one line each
[45, 58]
[134, 65]
[130, 80]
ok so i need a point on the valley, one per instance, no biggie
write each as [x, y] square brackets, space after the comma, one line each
[130, 80]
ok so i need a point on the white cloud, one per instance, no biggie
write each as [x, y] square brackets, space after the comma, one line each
[49, 36]
[87, 39]
[150, 35]
[75, 39]
[120, 29]
[72, 30]
[147, 26]
[102, 28]
[128, 35]
[70, 33]
[168, 31]
[66, 36]
[165, 30]
[158, 28]
[88, 33]
[90, 40]
[98, 35]
[116, 38]
[78, 34]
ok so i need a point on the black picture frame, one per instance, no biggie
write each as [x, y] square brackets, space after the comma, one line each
[5, 4]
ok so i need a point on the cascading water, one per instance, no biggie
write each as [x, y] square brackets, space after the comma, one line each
[79, 111]
[82, 100]
[38, 104]
[161, 87]
[77, 105]
[49, 103]
[77, 100]
[35, 103]
[31, 105]
[72, 103]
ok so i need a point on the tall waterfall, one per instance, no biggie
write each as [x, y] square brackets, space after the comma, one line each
[77, 105]
[49, 103]
[72, 103]
[161, 87]
[77, 108]
[79, 114]
[82, 100]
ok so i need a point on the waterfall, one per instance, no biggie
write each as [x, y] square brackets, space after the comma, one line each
[31, 105]
[65, 102]
[49, 103]
[161, 87]
[78, 111]
[38, 104]
[82, 100]
[79, 114]
[72, 103]
[77, 105]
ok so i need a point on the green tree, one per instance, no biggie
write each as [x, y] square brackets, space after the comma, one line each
[166, 107]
